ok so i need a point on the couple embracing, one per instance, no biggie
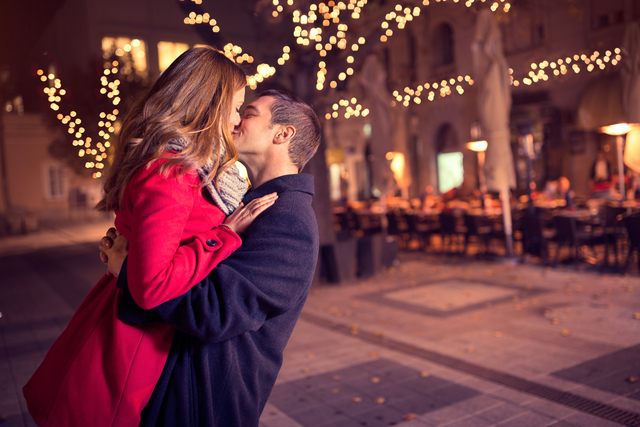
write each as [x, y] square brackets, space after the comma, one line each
[206, 278]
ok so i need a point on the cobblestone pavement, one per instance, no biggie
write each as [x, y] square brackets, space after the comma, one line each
[437, 341]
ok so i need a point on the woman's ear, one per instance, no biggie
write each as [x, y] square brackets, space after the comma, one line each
[285, 134]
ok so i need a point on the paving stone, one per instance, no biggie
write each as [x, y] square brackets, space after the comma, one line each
[585, 420]
[317, 416]
[550, 409]
[502, 413]
[380, 417]
[528, 419]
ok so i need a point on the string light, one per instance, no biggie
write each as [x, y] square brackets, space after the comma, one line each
[542, 71]
[433, 90]
[347, 108]
[74, 123]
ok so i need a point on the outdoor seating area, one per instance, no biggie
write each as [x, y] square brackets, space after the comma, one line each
[600, 233]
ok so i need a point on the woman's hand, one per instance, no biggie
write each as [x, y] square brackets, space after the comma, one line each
[243, 216]
[113, 250]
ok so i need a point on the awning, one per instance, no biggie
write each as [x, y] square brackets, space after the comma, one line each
[601, 104]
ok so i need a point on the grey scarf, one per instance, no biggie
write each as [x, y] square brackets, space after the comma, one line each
[231, 186]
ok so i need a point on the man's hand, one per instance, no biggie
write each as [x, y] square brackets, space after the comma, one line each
[113, 251]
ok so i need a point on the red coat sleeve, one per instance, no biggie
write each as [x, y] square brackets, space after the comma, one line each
[162, 269]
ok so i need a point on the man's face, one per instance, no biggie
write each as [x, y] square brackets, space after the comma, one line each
[254, 134]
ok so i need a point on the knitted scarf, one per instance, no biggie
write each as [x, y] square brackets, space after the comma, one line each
[231, 186]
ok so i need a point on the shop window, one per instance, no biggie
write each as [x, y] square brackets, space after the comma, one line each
[130, 53]
[168, 52]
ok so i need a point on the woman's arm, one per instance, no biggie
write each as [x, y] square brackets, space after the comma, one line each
[161, 207]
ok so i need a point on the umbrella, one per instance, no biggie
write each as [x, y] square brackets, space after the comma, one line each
[373, 78]
[494, 105]
[630, 76]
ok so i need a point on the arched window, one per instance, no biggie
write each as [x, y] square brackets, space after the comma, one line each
[443, 53]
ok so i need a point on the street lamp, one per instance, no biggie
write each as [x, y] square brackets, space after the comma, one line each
[619, 130]
[479, 147]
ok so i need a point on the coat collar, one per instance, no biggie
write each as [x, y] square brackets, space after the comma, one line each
[298, 182]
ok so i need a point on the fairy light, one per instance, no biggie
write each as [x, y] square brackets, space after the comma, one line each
[313, 28]
[542, 71]
[74, 124]
[347, 108]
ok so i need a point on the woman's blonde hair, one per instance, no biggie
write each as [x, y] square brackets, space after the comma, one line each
[191, 100]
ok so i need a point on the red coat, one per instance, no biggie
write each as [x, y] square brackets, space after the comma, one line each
[101, 371]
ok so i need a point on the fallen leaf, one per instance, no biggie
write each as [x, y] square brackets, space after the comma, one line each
[305, 370]
[335, 391]
[497, 334]
[379, 333]
[357, 399]
[409, 416]
[636, 316]
[518, 307]
[565, 332]
[469, 349]
[310, 356]
[375, 380]
[379, 400]
[555, 321]
[632, 380]
[629, 288]
[475, 318]
[547, 312]
[337, 377]
[424, 374]
[374, 354]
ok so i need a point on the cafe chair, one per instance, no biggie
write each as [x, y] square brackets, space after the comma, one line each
[421, 230]
[449, 228]
[632, 224]
[478, 228]
[575, 234]
[397, 226]
[535, 238]
[610, 219]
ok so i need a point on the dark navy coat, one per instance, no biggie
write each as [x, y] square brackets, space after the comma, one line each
[232, 327]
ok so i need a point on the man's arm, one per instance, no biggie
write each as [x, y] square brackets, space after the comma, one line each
[263, 279]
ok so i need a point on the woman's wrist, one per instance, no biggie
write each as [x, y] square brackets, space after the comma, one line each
[226, 226]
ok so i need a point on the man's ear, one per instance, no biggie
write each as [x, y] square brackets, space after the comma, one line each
[285, 134]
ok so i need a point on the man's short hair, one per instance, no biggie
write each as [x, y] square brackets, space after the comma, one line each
[290, 110]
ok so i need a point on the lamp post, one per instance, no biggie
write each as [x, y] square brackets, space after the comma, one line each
[619, 130]
[479, 147]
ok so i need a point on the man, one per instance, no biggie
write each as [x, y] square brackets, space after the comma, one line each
[231, 329]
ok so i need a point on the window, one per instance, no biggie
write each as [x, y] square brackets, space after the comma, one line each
[607, 13]
[168, 52]
[443, 53]
[131, 53]
[55, 182]
[450, 171]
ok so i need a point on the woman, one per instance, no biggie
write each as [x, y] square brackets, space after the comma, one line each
[175, 147]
